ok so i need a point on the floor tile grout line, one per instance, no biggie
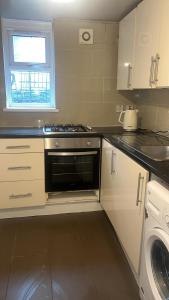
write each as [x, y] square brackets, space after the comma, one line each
[10, 264]
[55, 234]
[49, 265]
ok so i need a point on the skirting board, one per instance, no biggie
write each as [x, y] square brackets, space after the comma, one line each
[51, 210]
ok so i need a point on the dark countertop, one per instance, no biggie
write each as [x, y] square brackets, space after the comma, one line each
[33, 132]
[159, 168]
[113, 135]
[18, 132]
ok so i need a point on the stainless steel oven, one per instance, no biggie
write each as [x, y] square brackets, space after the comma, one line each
[72, 164]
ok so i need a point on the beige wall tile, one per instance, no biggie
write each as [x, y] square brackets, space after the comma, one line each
[85, 77]
[148, 115]
[65, 34]
[104, 62]
[109, 89]
[91, 90]
[154, 109]
[112, 33]
[73, 62]
[162, 118]
[110, 68]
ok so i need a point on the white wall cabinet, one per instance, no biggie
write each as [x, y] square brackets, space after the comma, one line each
[151, 62]
[122, 197]
[162, 57]
[148, 19]
[127, 30]
[22, 181]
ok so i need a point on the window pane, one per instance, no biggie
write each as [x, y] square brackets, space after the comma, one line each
[30, 89]
[29, 49]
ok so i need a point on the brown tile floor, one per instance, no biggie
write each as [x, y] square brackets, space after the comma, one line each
[66, 257]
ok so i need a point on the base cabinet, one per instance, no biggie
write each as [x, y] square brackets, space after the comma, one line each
[22, 194]
[122, 197]
[23, 166]
[22, 181]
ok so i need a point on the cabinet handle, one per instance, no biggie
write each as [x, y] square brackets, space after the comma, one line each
[19, 196]
[152, 68]
[72, 153]
[139, 199]
[112, 162]
[129, 76]
[157, 60]
[18, 147]
[19, 168]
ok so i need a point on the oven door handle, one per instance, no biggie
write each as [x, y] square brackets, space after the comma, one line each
[72, 153]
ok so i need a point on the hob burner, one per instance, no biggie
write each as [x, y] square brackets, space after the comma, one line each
[65, 128]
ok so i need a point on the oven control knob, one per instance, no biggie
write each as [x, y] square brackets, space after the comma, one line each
[89, 143]
[57, 144]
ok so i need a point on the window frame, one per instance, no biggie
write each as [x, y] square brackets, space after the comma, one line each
[11, 27]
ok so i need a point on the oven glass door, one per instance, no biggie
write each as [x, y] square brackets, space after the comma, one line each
[71, 170]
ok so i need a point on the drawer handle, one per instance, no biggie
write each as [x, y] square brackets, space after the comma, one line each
[18, 147]
[157, 60]
[72, 153]
[151, 80]
[19, 168]
[19, 196]
[139, 187]
[129, 76]
[112, 162]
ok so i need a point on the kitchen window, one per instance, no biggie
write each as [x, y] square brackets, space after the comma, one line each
[29, 65]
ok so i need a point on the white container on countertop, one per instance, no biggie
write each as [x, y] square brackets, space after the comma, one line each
[130, 119]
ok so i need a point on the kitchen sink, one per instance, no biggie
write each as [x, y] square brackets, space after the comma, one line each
[158, 153]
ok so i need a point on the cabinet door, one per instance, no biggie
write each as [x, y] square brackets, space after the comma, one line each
[128, 205]
[148, 19]
[22, 194]
[126, 51]
[107, 177]
[21, 145]
[22, 166]
[162, 71]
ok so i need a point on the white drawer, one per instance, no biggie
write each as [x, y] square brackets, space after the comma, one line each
[26, 166]
[22, 194]
[21, 145]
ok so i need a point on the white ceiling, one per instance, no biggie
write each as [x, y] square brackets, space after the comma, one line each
[112, 10]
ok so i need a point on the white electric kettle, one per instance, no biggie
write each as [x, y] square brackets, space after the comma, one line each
[130, 119]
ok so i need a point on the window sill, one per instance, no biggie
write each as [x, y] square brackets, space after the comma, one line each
[31, 110]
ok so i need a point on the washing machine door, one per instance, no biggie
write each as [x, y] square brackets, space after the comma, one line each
[157, 263]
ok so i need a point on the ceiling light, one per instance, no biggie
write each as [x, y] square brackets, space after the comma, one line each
[63, 1]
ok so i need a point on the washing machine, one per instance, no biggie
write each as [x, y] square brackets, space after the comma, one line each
[154, 273]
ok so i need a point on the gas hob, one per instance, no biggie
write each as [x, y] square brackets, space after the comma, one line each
[65, 128]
